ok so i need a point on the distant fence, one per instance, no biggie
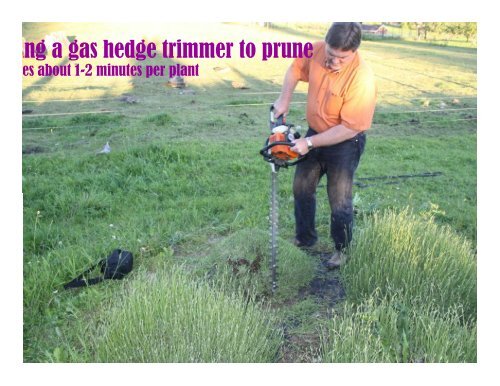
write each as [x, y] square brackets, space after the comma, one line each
[412, 35]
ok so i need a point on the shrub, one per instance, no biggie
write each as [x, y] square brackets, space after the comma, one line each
[171, 318]
[401, 252]
[242, 261]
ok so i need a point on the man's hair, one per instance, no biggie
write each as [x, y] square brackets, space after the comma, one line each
[344, 36]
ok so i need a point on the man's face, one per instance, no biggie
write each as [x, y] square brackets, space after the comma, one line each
[336, 58]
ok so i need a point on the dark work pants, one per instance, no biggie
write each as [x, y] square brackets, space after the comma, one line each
[338, 162]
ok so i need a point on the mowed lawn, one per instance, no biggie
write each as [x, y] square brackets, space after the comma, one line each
[184, 175]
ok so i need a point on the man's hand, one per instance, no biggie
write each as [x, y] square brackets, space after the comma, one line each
[300, 146]
[280, 108]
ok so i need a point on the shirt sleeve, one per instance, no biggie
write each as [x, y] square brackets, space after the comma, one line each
[359, 102]
[300, 68]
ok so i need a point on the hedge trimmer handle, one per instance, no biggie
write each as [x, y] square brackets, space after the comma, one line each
[275, 122]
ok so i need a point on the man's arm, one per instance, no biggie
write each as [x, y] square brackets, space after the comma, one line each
[357, 112]
[283, 102]
[332, 136]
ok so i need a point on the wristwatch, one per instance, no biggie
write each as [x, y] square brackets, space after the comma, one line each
[309, 143]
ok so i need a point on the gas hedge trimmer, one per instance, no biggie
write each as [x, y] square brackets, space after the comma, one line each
[277, 151]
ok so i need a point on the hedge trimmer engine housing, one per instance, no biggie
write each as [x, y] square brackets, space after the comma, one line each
[277, 149]
[280, 142]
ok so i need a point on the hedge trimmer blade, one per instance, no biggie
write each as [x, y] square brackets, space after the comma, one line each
[273, 219]
[277, 151]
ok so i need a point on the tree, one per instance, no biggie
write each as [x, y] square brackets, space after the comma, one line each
[422, 28]
[468, 30]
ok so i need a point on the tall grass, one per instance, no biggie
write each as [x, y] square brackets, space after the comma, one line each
[390, 331]
[169, 317]
[402, 252]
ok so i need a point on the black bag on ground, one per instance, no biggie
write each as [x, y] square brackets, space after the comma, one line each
[116, 266]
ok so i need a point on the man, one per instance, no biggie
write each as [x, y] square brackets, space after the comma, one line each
[340, 105]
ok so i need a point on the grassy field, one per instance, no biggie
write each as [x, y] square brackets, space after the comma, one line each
[185, 190]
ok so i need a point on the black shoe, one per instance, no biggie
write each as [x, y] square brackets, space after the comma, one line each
[301, 245]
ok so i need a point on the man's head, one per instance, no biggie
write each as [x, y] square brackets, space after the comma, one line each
[342, 41]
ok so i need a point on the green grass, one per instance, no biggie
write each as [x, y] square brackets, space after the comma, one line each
[184, 184]
[410, 294]
[168, 317]
[401, 252]
[391, 331]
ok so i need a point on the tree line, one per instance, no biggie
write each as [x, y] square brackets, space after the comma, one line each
[465, 29]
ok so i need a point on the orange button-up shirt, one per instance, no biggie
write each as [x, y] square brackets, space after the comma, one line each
[344, 97]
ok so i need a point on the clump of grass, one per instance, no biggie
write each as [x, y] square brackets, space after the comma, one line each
[171, 318]
[95, 118]
[404, 252]
[159, 119]
[390, 331]
[242, 261]
[238, 102]
[48, 122]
